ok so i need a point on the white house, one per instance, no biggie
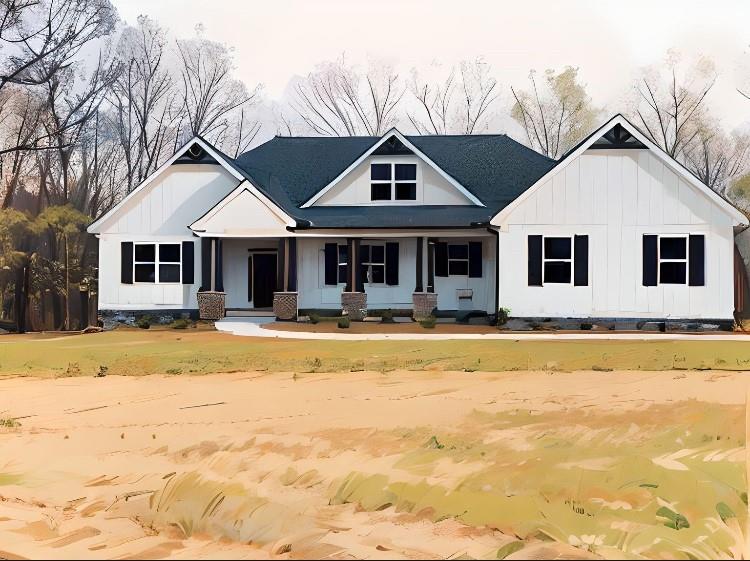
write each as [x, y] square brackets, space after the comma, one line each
[461, 224]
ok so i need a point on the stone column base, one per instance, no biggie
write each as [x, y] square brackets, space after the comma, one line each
[354, 305]
[285, 305]
[212, 305]
[424, 304]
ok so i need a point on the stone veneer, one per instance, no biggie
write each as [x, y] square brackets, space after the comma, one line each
[212, 305]
[354, 305]
[285, 305]
[424, 304]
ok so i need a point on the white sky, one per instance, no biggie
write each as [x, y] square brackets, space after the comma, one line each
[609, 40]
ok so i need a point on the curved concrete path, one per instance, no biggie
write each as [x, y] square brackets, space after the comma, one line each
[252, 327]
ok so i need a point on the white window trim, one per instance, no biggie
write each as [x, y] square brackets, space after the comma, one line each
[466, 244]
[157, 262]
[571, 260]
[370, 263]
[659, 259]
[392, 182]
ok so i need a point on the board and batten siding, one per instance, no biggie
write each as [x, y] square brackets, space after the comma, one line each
[160, 213]
[617, 196]
[314, 294]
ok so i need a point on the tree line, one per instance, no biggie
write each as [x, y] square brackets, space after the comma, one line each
[90, 107]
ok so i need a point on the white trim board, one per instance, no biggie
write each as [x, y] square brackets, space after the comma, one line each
[393, 132]
[96, 226]
[739, 219]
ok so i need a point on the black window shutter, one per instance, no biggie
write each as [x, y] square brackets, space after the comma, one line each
[331, 264]
[650, 260]
[535, 260]
[188, 262]
[126, 262]
[391, 263]
[250, 278]
[441, 259]
[581, 265]
[475, 260]
[697, 260]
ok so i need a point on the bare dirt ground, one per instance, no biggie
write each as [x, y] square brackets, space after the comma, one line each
[375, 465]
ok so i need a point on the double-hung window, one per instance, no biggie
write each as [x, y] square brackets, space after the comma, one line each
[673, 259]
[343, 263]
[558, 260]
[458, 259]
[393, 182]
[157, 262]
[373, 263]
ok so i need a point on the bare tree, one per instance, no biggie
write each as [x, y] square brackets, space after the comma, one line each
[556, 115]
[458, 104]
[210, 94]
[671, 102]
[717, 158]
[144, 100]
[335, 100]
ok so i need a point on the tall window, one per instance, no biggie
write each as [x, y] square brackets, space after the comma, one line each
[673, 259]
[389, 182]
[373, 263]
[157, 262]
[343, 262]
[558, 260]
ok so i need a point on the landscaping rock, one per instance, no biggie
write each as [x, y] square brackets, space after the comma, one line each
[516, 325]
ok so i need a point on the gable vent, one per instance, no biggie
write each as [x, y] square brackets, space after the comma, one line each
[617, 138]
[195, 154]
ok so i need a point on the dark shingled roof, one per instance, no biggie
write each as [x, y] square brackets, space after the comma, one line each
[494, 168]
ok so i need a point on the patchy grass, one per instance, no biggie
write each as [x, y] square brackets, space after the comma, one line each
[140, 352]
[664, 482]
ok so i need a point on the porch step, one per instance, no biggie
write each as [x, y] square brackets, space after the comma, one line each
[249, 313]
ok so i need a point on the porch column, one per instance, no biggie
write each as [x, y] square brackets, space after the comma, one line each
[419, 287]
[424, 302]
[285, 299]
[354, 297]
[211, 296]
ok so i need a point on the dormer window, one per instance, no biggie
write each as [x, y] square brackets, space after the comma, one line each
[393, 182]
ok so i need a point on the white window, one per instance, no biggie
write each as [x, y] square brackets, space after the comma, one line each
[673, 259]
[557, 259]
[157, 262]
[373, 263]
[393, 182]
[458, 259]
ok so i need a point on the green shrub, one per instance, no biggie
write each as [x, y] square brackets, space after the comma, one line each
[428, 322]
[181, 323]
[314, 318]
[387, 316]
[344, 322]
[143, 322]
[503, 314]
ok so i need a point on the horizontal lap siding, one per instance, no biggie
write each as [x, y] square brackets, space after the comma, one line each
[621, 196]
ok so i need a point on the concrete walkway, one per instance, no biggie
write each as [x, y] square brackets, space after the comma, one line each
[252, 327]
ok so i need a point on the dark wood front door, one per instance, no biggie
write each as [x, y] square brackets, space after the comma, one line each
[263, 279]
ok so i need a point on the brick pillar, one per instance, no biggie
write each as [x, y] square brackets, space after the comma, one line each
[285, 305]
[424, 304]
[354, 305]
[211, 305]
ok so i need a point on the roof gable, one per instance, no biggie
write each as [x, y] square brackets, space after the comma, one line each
[393, 142]
[616, 131]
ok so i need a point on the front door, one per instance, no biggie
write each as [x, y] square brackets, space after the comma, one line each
[262, 279]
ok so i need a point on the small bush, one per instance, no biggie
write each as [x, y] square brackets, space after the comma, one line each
[503, 315]
[143, 322]
[314, 318]
[102, 371]
[387, 316]
[343, 322]
[181, 323]
[9, 423]
[428, 322]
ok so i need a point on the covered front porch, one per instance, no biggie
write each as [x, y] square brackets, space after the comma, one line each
[356, 274]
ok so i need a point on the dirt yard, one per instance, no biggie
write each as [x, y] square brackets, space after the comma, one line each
[400, 464]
